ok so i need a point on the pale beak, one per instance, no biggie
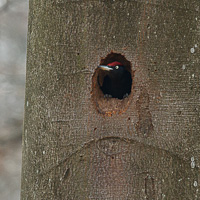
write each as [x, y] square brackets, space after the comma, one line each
[104, 67]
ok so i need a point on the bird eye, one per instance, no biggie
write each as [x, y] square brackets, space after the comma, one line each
[117, 67]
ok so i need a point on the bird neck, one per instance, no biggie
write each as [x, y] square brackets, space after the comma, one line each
[116, 76]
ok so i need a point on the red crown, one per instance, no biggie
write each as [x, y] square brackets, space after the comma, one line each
[114, 64]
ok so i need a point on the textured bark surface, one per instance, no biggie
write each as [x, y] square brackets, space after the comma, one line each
[150, 151]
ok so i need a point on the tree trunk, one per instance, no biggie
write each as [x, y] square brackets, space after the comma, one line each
[78, 144]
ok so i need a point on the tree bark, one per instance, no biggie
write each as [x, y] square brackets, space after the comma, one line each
[148, 151]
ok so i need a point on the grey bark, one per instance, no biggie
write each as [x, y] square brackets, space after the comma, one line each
[149, 151]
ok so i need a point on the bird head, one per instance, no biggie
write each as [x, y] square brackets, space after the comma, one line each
[113, 69]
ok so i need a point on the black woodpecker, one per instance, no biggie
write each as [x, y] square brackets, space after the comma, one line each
[117, 80]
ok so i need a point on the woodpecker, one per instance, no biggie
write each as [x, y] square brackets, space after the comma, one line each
[117, 80]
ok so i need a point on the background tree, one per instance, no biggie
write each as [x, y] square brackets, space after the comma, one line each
[79, 145]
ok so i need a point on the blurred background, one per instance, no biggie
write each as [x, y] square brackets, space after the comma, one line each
[13, 34]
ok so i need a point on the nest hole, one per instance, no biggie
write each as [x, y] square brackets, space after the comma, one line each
[112, 88]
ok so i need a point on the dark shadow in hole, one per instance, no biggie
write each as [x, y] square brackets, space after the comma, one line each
[115, 80]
